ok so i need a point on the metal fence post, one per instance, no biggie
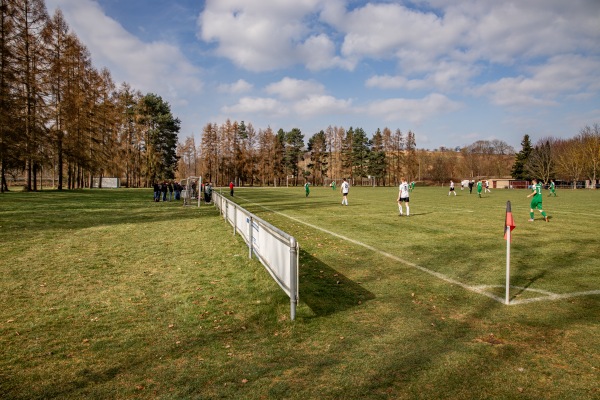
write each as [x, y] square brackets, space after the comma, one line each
[250, 238]
[294, 275]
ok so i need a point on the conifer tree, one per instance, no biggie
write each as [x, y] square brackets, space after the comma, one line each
[518, 169]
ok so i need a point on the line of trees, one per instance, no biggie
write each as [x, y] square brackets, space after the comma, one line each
[59, 113]
[570, 160]
[238, 152]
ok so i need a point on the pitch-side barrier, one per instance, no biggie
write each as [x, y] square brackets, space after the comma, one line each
[275, 249]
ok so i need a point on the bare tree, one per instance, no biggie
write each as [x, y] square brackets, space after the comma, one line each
[590, 137]
[570, 159]
[541, 162]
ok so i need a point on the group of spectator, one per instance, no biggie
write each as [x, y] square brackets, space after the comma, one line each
[172, 188]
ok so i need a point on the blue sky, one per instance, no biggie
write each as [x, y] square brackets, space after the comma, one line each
[452, 72]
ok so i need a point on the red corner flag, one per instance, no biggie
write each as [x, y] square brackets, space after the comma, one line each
[509, 223]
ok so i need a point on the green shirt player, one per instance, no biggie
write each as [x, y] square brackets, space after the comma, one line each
[479, 187]
[552, 188]
[306, 189]
[536, 202]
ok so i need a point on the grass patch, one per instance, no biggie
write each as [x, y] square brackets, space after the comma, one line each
[107, 294]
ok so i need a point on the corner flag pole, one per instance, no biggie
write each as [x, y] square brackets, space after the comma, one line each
[509, 225]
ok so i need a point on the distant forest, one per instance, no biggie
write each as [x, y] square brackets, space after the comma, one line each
[237, 152]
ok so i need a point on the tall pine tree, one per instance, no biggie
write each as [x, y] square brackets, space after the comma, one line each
[518, 169]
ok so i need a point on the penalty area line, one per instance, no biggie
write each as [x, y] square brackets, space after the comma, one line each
[480, 289]
[447, 279]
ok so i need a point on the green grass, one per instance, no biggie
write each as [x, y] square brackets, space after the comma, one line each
[106, 294]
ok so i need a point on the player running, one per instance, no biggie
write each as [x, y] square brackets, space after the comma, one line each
[552, 188]
[403, 190]
[536, 202]
[451, 188]
[479, 187]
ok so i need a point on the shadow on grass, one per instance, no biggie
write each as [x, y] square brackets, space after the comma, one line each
[530, 281]
[31, 212]
[325, 290]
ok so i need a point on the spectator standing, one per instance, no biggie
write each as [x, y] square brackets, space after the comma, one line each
[156, 188]
[170, 188]
[164, 189]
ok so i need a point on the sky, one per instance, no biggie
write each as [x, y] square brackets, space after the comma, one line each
[452, 72]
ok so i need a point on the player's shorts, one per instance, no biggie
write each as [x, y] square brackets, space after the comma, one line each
[404, 200]
[536, 203]
[451, 189]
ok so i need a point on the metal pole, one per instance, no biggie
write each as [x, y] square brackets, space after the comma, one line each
[507, 301]
[234, 219]
[250, 239]
[294, 275]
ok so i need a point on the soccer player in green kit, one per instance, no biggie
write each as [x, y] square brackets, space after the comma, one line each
[552, 188]
[479, 187]
[536, 202]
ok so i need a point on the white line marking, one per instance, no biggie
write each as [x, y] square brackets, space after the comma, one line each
[479, 289]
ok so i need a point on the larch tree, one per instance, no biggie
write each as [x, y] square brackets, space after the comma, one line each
[29, 19]
[265, 154]
[411, 162]
[9, 123]
[56, 36]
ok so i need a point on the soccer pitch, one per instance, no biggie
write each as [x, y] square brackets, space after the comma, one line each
[109, 295]
[457, 239]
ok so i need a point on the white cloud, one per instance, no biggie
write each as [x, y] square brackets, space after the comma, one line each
[413, 110]
[546, 84]
[240, 86]
[256, 105]
[446, 76]
[290, 88]
[262, 35]
[322, 105]
[143, 65]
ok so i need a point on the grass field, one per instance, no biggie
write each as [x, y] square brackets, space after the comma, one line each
[106, 294]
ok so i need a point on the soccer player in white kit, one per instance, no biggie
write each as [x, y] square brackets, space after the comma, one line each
[345, 189]
[451, 188]
[403, 197]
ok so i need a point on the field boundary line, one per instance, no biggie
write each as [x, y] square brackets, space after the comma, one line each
[479, 289]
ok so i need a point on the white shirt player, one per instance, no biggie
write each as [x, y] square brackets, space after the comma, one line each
[403, 188]
[345, 187]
